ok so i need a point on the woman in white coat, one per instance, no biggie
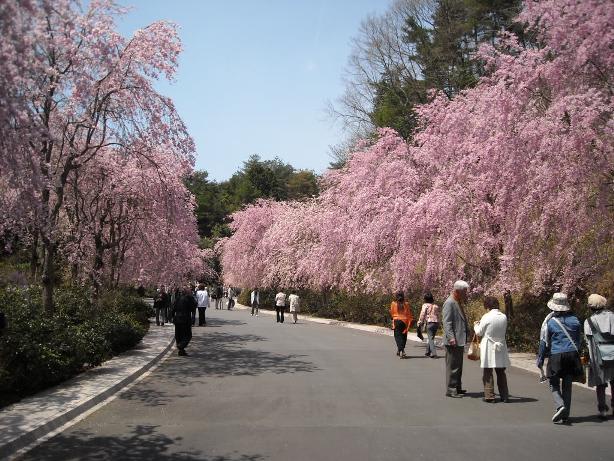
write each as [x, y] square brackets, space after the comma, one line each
[493, 350]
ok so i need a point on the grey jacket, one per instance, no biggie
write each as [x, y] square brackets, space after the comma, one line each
[454, 323]
[604, 322]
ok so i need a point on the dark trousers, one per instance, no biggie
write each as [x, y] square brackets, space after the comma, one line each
[201, 316]
[489, 383]
[399, 336]
[183, 335]
[279, 311]
[561, 392]
[193, 316]
[601, 405]
[160, 315]
[254, 308]
[454, 367]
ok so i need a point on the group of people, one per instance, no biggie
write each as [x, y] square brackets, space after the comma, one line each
[180, 306]
[561, 338]
[560, 342]
[280, 304]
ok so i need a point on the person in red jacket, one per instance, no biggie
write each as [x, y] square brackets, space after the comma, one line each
[402, 318]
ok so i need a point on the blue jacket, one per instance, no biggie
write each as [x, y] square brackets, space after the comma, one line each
[559, 342]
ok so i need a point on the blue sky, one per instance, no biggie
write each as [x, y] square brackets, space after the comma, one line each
[255, 76]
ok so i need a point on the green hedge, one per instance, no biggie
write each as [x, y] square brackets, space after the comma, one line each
[39, 349]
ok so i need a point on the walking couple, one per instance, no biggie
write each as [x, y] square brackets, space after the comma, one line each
[402, 317]
[494, 356]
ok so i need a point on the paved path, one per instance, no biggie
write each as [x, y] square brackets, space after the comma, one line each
[256, 390]
[26, 421]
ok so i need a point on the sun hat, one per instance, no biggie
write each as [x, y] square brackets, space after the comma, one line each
[558, 303]
[596, 301]
[461, 285]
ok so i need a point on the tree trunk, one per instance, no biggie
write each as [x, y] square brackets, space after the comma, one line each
[48, 275]
[509, 304]
[98, 265]
[34, 261]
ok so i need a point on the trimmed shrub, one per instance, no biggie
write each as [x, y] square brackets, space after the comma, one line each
[39, 349]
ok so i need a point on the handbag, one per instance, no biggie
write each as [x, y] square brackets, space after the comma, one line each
[474, 349]
[419, 333]
[581, 376]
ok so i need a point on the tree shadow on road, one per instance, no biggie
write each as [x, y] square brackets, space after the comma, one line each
[142, 443]
[216, 355]
[217, 323]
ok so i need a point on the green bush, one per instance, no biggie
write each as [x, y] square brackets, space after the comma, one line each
[39, 349]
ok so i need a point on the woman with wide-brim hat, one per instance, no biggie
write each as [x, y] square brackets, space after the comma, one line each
[560, 342]
[599, 331]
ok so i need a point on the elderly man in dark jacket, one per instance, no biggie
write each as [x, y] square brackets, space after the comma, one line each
[456, 334]
[182, 318]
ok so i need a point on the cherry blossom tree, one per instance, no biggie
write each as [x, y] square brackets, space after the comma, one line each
[509, 185]
[82, 93]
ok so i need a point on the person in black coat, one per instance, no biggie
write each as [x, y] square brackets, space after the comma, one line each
[159, 306]
[182, 318]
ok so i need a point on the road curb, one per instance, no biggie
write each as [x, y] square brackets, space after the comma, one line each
[30, 435]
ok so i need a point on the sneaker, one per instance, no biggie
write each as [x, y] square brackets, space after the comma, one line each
[453, 393]
[256, 315]
[603, 414]
[558, 414]
[428, 354]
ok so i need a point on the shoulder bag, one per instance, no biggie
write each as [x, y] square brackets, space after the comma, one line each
[473, 353]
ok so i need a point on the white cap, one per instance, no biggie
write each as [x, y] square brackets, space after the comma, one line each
[461, 285]
[596, 301]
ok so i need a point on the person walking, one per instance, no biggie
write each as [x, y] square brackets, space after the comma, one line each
[401, 315]
[560, 341]
[430, 317]
[255, 301]
[455, 337]
[295, 302]
[159, 306]
[202, 300]
[231, 301]
[182, 318]
[599, 331]
[166, 304]
[213, 295]
[280, 306]
[494, 356]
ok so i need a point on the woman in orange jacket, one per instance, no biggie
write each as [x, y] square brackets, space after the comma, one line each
[402, 318]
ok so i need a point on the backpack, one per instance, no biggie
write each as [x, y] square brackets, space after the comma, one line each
[604, 348]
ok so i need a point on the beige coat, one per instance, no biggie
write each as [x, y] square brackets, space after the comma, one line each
[493, 348]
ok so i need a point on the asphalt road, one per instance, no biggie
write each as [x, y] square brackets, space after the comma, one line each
[253, 389]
